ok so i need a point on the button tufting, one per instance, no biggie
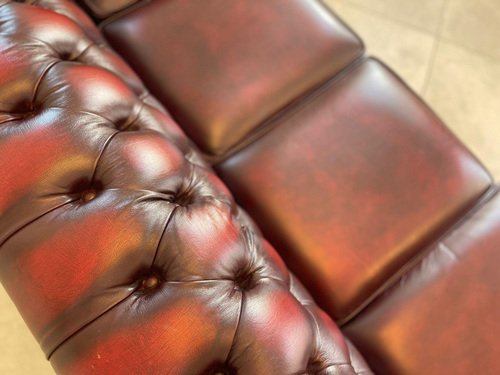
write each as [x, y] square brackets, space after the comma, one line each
[184, 198]
[245, 278]
[315, 365]
[151, 282]
[223, 369]
[65, 56]
[88, 195]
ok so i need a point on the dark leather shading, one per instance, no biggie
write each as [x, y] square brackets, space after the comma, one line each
[222, 67]
[353, 183]
[441, 317]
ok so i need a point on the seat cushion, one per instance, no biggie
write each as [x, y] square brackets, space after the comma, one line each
[223, 67]
[351, 184]
[442, 317]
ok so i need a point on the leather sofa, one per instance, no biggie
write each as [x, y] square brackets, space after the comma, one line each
[371, 243]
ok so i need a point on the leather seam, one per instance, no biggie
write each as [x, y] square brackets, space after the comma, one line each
[279, 117]
[428, 248]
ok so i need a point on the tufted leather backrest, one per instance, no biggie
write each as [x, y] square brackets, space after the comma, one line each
[121, 249]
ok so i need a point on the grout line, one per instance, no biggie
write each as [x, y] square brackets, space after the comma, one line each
[435, 48]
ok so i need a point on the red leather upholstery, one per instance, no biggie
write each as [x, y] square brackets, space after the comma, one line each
[124, 253]
[222, 67]
[356, 181]
[442, 317]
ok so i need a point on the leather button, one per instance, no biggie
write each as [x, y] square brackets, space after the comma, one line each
[88, 195]
[184, 198]
[316, 364]
[223, 371]
[151, 282]
[245, 279]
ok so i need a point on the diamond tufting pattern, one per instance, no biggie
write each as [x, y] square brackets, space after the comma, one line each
[120, 247]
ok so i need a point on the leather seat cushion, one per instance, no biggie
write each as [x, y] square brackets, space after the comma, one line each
[223, 67]
[353, 183]
[449, 301]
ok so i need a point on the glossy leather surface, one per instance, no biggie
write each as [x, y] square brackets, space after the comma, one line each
[442, 317]
[122, 250]
[352, 183]
[223, 67]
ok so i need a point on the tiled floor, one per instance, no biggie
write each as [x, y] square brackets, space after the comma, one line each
[448, 51]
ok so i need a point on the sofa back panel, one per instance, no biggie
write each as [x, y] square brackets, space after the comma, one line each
[442, 317]
[353, 183]
[223, 67]
[120, 247]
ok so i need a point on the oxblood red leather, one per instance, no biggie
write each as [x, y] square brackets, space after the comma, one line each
[448, 301]
[124, 253]
[350, 200]
[225, 66]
